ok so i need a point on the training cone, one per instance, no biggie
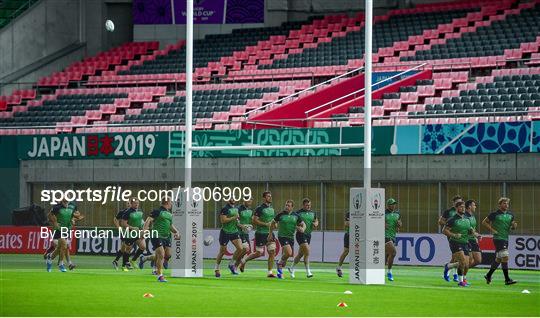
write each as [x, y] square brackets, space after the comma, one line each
[525, 291]
[148, 295]
[342, 304]
[348, 292]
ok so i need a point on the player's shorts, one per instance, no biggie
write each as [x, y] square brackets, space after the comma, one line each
[158, 242]
[346, 240]
[261, 239]
[389, 239]
[474, 247]
[244, 237]
[225, 238]
[459, 247]
[130, 241]
[286, 241]
[302, 238]
[500, 245]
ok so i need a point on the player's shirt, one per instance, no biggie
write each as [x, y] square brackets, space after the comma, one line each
[474, 224]
[460, 224]
[308, 217]
[449, 213]
[265, 213]
[162, 222]
[287, 223]
[391, 220]
[134, 217]
[120, 214]
[347, 218]
[245, 215]
[501, 222]
[230, 211]
[63, 215]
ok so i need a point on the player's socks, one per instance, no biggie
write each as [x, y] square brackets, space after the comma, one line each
[125, 259]
[118, 255]
[291, 271]
[507, 279]
[142, 259]
[339, 272]
[493, 268]
[137, 254]
[390, 276]
[308, 271]
[49, 264]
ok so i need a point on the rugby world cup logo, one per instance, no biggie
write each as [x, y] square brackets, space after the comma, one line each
[376, 201]
[356, 203]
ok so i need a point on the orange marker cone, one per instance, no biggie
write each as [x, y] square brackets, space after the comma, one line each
[148, 295]
[342, 304]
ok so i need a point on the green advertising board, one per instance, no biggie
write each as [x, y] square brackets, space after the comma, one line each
[382, 140]
[94, 146]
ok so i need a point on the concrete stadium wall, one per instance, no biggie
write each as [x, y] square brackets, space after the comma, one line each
[440, 168]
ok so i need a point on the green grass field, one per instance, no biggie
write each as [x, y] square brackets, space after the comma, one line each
[95, 289]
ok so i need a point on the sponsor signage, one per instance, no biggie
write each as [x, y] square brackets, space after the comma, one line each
[187, 258]
[524, 252]
[366, 244]
[25, 240]
[94, 146]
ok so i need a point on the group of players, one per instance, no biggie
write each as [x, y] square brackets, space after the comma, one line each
[237, 221]
[460, 226]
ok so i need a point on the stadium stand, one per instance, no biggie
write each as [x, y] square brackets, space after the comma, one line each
[10, 9]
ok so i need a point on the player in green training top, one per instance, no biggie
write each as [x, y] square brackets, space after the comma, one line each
[457, 229]
[392, 223]
[475, 254]
[123, 247]
[160, 220]
[229, 233]
[500, 223]
[345, 252]
[244, 226]
[133, 219]
[287, 223]
[262, 219]
[303, 238]
[445, 216]
[61, 217]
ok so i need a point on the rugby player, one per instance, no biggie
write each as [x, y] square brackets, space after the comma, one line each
[287, 222]
[121, 249]
[133, 219]
[457, 229]
[304, 238]
[446, 215]
[244, 225]
[345, 252]
[392, 223]
[61, 216]
[475, 255]
[229, 233]
[500, 223]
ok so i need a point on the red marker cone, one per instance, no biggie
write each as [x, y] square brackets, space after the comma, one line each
[148, 295]
[342, 304]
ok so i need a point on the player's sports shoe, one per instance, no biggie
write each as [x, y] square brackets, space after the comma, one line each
[309, 275]
[280, 275]
[339, 272]
[115, 265]
[125, 269]
[133, 264]
[390, 277]
[279, 268]
[463, 284]
[154, 271]
[217, 273]
[128, 266]
[242, 267]
[49, 265]
[71, 267]
[466, 282]
[141, 262]
[271, 276]
[62, 268]
[488, 279]
[456, 279]
[291, 271]
[232, 268]
[446, 276]
[161, 279]
[510, 282]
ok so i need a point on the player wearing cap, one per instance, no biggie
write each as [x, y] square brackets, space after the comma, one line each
[345, 252]
[500, 223]
[392, 223]
[446, 215]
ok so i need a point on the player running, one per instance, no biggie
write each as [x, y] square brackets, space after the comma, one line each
[392, 223]
[160, 220]
[345, 252]
[262, 219]
[500, 223]
[287, 222]
[121, 249]
[446, 215]
[245, 226]
[229, 233]
[61, 217]
[475, 255]
[304, 238]
[133, 219]
[457, 229]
